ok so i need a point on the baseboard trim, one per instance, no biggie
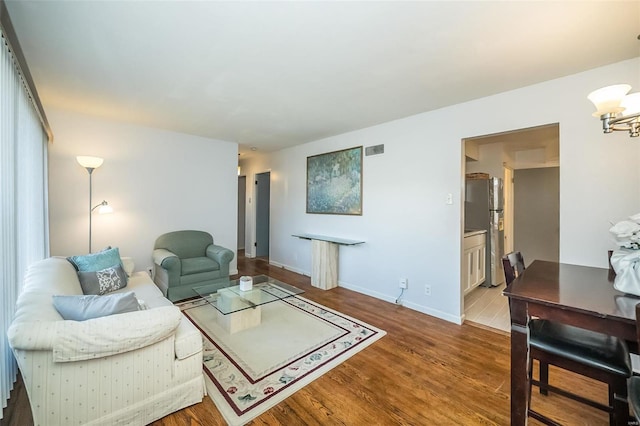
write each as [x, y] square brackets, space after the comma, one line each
[387, 298]
[435, 313]
[289, 268]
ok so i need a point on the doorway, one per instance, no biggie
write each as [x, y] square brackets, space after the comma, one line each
[263, 201]
[528, 162]
[242, 211]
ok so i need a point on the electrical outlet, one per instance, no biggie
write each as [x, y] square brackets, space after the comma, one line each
[427, 290]
[404, 283]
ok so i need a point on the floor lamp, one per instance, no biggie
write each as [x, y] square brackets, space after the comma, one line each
[92, 163]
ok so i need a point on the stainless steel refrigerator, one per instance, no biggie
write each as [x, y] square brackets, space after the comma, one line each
[483, 209]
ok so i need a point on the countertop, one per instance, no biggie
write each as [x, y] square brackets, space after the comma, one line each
[472, 232]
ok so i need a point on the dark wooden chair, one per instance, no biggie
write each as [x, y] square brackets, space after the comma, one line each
[513, 265]
[595, 355]
[634, 382]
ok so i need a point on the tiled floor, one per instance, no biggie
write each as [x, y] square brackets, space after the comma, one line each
[488, 307]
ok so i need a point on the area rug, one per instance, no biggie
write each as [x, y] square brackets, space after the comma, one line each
[298, 341]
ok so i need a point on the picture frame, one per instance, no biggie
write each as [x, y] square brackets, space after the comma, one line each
[334, 182]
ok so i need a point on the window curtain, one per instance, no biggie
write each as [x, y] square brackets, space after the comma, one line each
[23, 198]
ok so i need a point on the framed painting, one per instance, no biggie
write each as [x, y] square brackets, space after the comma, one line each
[334, 182]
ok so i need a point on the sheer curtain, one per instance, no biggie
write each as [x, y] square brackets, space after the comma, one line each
[23, 198]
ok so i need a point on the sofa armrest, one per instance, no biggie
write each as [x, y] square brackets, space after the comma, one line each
[221, 255]
[114, 334]
[98, 337]
[32, 335]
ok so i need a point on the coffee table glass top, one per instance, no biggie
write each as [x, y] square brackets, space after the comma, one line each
[228, 300]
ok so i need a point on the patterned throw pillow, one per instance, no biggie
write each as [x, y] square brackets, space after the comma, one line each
[103, 281]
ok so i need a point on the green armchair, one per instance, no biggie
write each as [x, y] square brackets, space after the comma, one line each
[186, 259]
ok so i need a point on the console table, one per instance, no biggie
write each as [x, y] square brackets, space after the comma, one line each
[324, 258]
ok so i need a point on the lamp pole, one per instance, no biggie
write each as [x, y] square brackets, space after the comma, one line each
[89, 163]
[90, 170]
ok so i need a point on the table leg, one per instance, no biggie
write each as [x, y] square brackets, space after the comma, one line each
[324, 264]
[243, 318]
[519, 363]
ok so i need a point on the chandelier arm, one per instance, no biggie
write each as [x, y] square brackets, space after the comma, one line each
[625, 119]
[628, 123]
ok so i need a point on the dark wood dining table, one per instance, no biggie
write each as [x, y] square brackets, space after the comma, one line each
[582, 296]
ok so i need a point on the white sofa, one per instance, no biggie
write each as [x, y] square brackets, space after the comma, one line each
[125, 369]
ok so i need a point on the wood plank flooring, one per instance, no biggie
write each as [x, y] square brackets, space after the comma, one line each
[425, 371]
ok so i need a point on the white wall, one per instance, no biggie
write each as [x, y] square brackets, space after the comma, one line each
[409, 229]
[155, 180]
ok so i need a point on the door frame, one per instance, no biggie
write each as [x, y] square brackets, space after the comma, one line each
[242, 219]
[508, 208]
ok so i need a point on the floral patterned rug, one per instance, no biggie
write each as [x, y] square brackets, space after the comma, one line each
[298, 340]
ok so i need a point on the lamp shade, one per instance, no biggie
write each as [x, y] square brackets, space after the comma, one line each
[105, 208]
[631, 104]
[89, 162]
[607, 99]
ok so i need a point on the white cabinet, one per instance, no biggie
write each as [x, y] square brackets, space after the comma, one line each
[475, 254]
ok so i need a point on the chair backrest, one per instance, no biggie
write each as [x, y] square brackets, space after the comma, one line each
[638, 323]
[634, 383]
[185, 244]
[513, 265]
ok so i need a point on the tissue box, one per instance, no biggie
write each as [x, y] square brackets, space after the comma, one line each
[246, 283]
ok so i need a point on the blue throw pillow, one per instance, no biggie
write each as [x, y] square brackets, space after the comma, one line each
[96, 261]
[81, 308]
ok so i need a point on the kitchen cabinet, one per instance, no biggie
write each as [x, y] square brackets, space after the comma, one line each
[475, 252]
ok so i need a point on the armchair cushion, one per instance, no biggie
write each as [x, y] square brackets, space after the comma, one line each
[195, 265]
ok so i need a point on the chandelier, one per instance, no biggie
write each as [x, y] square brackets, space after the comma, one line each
[617, 110]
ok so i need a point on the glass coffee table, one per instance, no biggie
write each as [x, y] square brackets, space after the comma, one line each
[239, 310]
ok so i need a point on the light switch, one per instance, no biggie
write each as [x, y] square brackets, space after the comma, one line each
[449, 198]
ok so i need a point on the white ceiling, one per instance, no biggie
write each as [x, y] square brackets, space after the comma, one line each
[276, 74]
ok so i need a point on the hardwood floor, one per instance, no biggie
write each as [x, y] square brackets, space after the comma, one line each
[425, 371]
